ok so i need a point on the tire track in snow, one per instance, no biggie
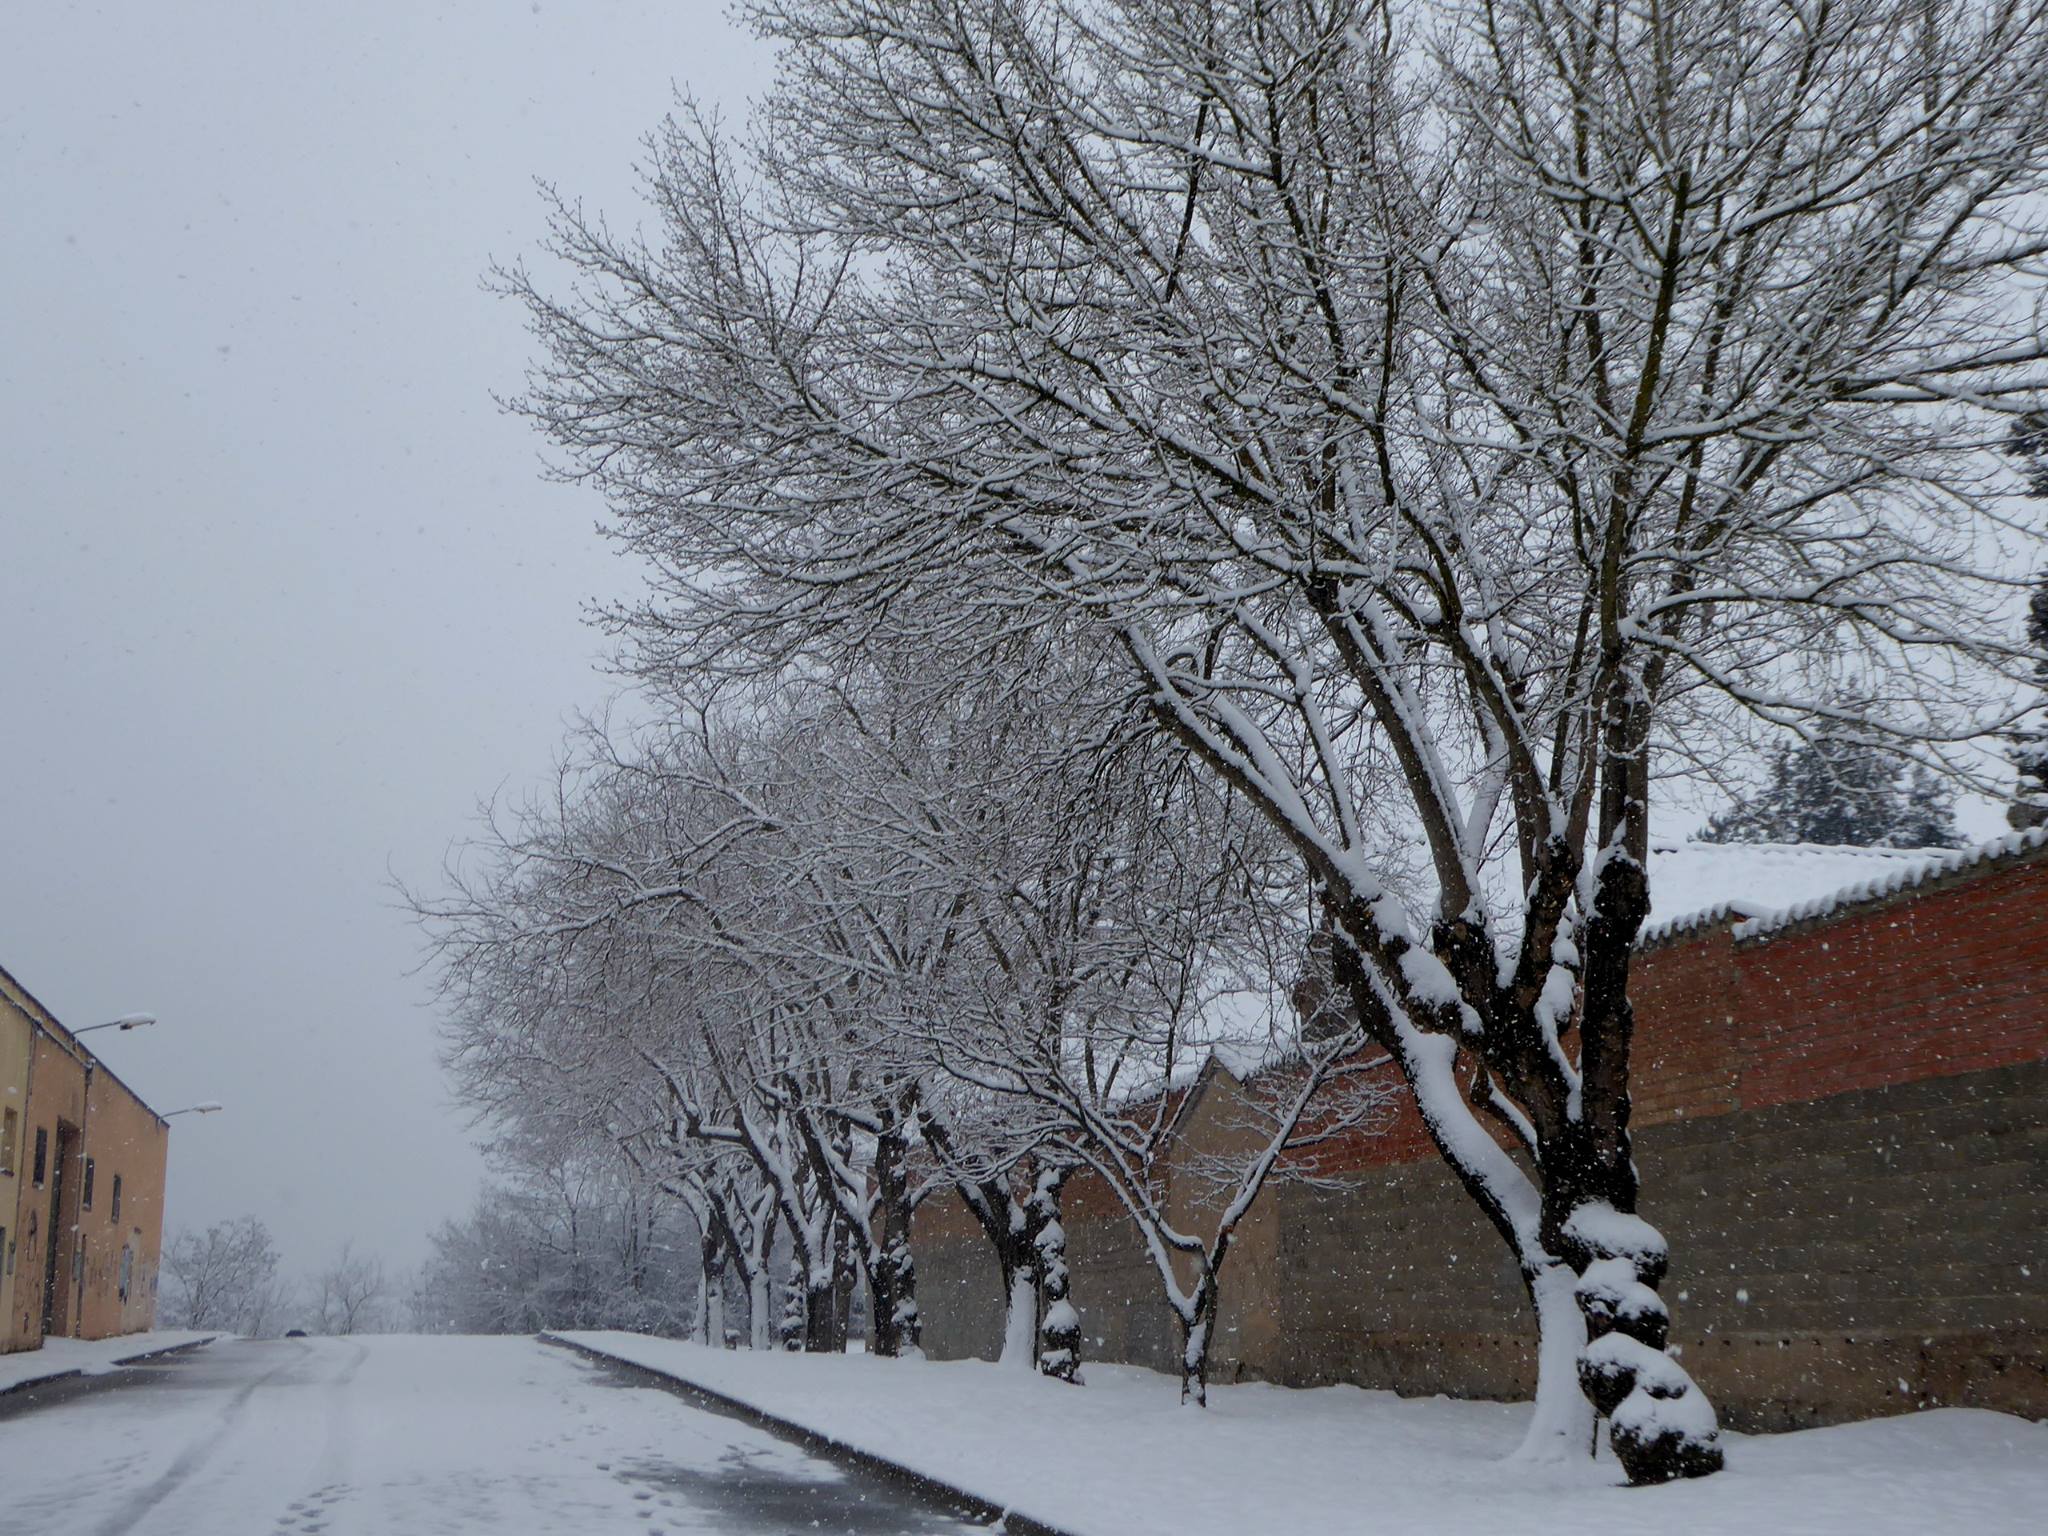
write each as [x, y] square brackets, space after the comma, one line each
[195, 1456]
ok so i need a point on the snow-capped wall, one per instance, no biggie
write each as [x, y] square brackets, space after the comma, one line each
[1762, 885]
[1842, 1117]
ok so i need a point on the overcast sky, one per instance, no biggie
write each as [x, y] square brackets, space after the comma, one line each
[281, 592]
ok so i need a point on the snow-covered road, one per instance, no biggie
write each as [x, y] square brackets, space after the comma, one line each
[410, 1436]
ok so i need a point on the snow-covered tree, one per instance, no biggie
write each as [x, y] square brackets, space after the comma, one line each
[2028, 445]
[2030, 749]
[1455, 412]
[1131, 943]
[1825, 789]
[734, 1215]
[663, 952]
[224, 1277]
[2027, 442]
[349, 1295]
[561, 1239]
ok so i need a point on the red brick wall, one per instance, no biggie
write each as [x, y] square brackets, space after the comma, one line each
[1689, 1003]
[1929, 985]
[1859, 1230]
[1932, 982]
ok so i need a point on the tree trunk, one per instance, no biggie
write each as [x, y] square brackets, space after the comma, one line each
[1059, 1335]
[1578, 1124]
[708, 1322]
[760, 1251]
[845, 1282]
[1020, 1318]
[796, 1309]
[1511, 1201]
[714, 1307]
[1659, 1422]
[760, 1309]
[820, 1336]
[1563, 1424]
[898, 1329]
[1197, 1328]
[815, 1303]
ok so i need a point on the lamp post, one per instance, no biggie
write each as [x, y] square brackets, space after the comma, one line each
[208, 1108]
[127, 1021]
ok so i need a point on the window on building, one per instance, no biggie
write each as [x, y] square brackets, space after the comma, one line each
[42, 1153]
[127, 1271]
[116, 1214]
[10, 1139]
[85, 1199]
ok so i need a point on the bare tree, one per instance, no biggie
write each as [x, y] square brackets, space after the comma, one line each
[349, 1294]
[224, 1277]
[1132, 944]
[1457, 413]
[567, 1237]
[631, 958]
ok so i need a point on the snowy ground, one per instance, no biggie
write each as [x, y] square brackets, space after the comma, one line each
[62, 1357]
[1120, 1457]
[407, 1436]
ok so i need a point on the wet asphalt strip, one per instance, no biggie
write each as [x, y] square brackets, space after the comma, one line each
[49, 1391]
[866, 1499]
[873, 1488]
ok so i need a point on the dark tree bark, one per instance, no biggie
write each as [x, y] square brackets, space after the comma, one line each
[1197, 1330]
[898, 1327]
[845, 1281]
[1059, 1334]
[1590, 1246]
[797, 1308]
[712, 1253]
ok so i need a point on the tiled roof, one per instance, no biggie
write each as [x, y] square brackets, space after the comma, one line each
[1762, 887]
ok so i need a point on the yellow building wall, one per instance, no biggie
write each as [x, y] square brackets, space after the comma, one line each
[17, 1042]
[49, 1210]
[97, 1265]
[120, 1249]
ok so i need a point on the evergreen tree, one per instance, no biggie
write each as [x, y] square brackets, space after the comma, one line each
[2030, 741]
[2029, 445]
[1841, 792]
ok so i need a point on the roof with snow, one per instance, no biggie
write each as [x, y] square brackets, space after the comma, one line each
[1760, 887]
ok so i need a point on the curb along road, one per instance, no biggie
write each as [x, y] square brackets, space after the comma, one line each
[970, 1504]
[111, 1365]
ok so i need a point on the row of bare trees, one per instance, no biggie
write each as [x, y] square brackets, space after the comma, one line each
[842, 942]
[226, 1277]
[562, 1237]
[1124, 481]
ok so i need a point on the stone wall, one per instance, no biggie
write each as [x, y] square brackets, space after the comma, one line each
[959, 1288]
[1842, 1125]
[1860, 1254]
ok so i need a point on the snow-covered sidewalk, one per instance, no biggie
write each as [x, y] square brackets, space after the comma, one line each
[1120, 1457]
[88, 1357]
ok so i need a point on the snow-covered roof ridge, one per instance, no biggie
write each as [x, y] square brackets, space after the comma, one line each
[1949, 862]
[1762, 888]
[1722, 912]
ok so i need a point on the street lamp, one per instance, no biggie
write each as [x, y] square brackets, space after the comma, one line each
[208, 1108]
[125, 1022]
